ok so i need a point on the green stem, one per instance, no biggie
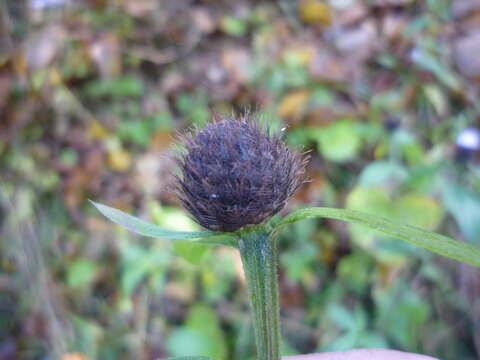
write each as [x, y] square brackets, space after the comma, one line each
[259, 258]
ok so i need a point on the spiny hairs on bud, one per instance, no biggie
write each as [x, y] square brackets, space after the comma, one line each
[234, 174]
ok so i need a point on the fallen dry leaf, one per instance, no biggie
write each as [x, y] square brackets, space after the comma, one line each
[463, 8]
[105, 52]
[236, 61]
[352, 15]
[75, 356]
[139, 8]
[358, 43]
[394, 25]
[42, 48]
[315, 12]
[97, 130]
[466, 55]
[328, 67]
[292, 104]
[119, 159]
[203, 20]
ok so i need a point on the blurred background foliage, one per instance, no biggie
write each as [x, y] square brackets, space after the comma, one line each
[383, 93]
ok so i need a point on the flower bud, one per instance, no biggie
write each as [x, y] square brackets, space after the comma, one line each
[233, 174]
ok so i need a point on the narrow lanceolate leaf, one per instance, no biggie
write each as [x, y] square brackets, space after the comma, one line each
[439, 244]
[147, 229]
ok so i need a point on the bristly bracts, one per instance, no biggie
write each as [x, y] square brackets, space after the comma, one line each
[233, 174]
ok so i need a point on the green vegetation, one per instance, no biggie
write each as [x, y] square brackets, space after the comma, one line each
[91, 99]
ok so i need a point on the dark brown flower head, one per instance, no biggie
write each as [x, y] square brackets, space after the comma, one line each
[234, 174]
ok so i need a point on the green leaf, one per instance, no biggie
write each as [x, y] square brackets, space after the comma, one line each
[439, 244]
[382, 172]
[464, 205]
[205, 320]
[81, 273]
[191, 251]
[88, 335]
[233, 26]
[339, 141]
[144, 228]
[123, 86]
[201, 334]
[429, 62]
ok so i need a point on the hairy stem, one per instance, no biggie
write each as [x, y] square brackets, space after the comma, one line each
[259, 258]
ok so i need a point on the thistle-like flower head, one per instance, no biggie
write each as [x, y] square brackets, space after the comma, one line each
[234, 174]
